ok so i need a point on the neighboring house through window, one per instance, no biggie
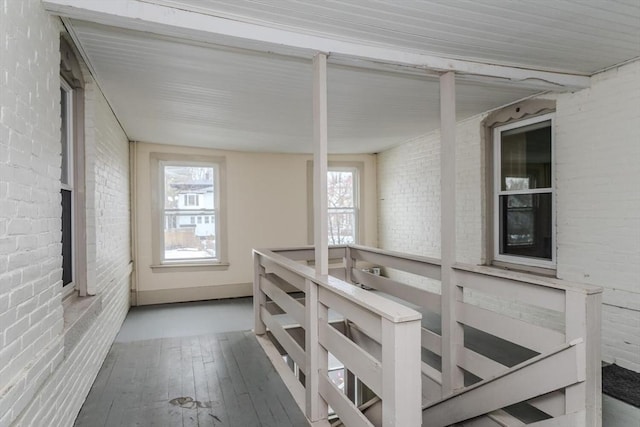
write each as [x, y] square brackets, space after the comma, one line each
[524, 230]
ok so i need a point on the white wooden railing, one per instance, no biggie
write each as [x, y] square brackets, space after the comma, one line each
[548, 332]
[395, 327]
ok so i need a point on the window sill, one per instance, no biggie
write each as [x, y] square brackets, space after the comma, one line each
[540, 271]
[190, 266]
[79, 315]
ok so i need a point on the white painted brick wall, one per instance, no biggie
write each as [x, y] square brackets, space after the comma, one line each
[30, 263]
[598, 196]
[38, 385]
[409, 195]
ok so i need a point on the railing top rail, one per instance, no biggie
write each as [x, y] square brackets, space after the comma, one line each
[423, 259]
[381, 306]
[302, 248]
[528, 278]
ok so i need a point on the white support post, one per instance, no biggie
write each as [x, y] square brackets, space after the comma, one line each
[259, 298]
[401, 375]
[320, 165]
[582, 320]
[315, 354]
[452, 334]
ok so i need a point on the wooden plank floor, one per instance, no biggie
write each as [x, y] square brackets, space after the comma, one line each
[222, 380]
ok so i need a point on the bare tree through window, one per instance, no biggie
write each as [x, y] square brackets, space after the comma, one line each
[341, 202]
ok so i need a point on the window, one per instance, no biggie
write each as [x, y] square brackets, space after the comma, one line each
[344, 192]
[189, 191]
[523, 195]
[72, 174]
[66, 183]
[342, 212]
[191, 200]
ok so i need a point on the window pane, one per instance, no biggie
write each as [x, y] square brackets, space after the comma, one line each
[342, 226]
[185, 240]
[64, 136]
[525, 225]
[67, 237]
[190, 187]
[337, 377]
[526, 157]
[340, 191]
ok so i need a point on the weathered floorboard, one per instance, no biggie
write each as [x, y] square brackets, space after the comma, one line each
[222, 380]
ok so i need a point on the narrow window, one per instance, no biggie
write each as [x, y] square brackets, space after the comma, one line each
[524, 225]
[342, 208]
[66, 184]
[190, 193]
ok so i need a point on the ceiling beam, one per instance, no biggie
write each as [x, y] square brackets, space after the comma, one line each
[150, 16]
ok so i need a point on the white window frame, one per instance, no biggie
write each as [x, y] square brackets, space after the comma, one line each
[356, 198]
[218, 163]
[67, 154]
[497, 192]
[71, 82]
[196, 211]
[358, 168]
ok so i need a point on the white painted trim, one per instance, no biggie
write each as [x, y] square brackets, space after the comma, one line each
[158, 161]
[320, 164]
[497, 192]
[154, 17]
[201, 293]
[68, 152]
[452, 334]
[356, 172]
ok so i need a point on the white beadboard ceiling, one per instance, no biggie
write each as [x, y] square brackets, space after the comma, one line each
[173, 91]
[565, 35]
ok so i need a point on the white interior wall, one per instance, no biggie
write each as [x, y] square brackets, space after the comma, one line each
[598, 200]
[44, 374]
[266, 207]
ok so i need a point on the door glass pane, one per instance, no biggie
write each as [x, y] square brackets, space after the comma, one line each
[525, 225]
[526, 157]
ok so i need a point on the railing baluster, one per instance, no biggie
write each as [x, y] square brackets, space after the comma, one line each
[259, 298]
[349, 263]
[316, 355]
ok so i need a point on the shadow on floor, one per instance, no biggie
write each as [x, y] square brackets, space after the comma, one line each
[187, 319]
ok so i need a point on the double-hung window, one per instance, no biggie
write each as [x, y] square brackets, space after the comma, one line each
[72, 175]
[342, 205]
[344, 192]
[190, 191]
[524, 231]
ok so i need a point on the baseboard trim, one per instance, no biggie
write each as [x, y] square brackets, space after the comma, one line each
[165, 296]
